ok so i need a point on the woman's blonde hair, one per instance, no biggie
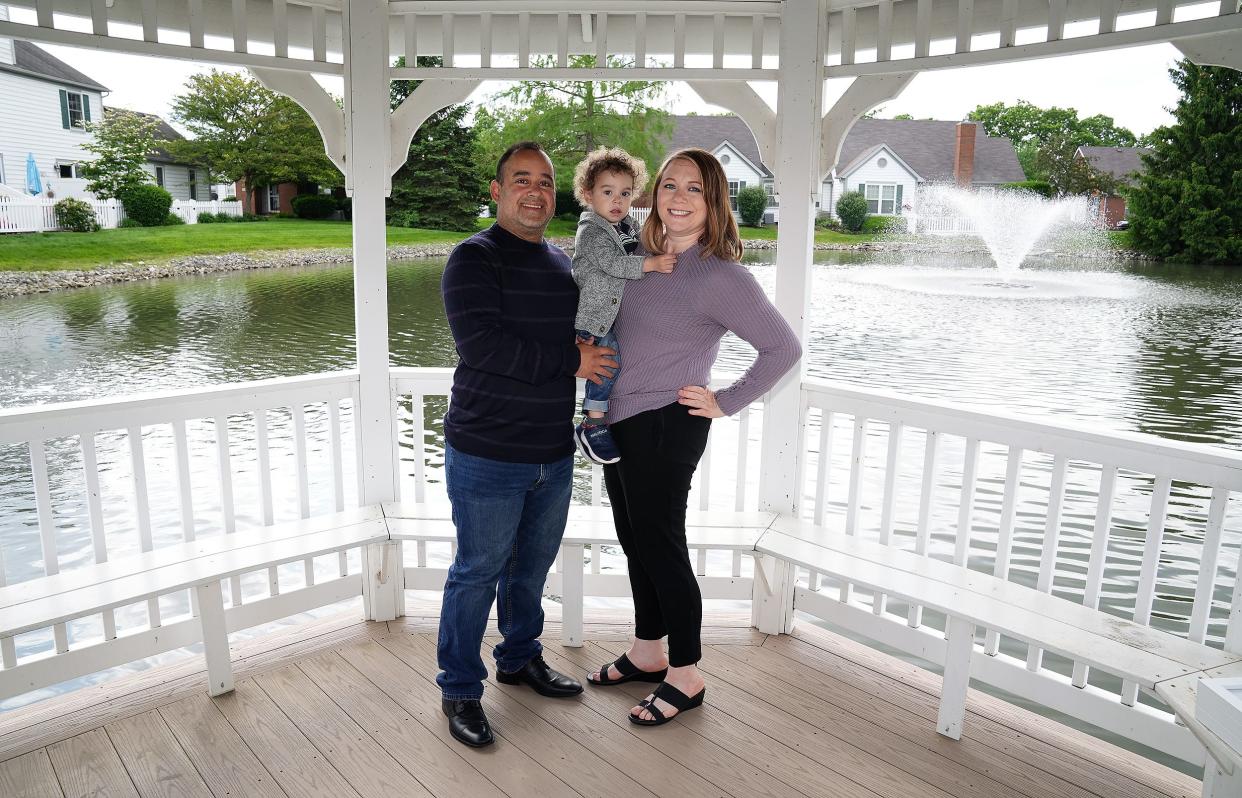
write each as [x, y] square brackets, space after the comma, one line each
[608, 159]
[720, 237]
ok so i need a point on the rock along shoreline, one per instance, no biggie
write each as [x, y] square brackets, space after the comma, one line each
[22, 283]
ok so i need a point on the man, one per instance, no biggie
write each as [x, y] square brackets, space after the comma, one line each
[510, 300]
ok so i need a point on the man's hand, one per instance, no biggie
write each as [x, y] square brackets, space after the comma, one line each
[659, 263]
[700, 400]
[594, 361]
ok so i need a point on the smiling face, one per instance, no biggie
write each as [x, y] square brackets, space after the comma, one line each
[680, 201]
[611, 196]
[526, 199]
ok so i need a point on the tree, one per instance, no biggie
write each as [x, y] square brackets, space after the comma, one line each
[1032, 129]
[571, 118]
[439, 185]
[1187, 205]
[123, 141]
[243, 131]
[852, 210]
[1057, 160]
[752, 201]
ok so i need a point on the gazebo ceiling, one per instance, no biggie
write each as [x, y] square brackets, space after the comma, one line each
[738, 36]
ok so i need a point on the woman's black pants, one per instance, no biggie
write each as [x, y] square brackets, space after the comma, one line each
[648, 488]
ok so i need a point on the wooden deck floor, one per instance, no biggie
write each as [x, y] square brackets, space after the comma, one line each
[342, 708]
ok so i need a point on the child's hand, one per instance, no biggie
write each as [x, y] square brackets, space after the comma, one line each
[659, 263]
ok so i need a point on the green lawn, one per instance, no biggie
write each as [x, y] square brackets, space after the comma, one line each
[45, 251]
[35, 252]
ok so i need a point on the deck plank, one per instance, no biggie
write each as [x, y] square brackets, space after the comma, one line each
[908, 738]
[28, 728]
[505, 764]
[223, 759]
[743, 725]
[153, 758]
[368, 769]
[293, 760]
[88, 765]
[29, 776]
[728, 768]
[544, 742]
[440, 765]
[1078, 757]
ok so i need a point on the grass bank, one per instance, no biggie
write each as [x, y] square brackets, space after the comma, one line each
[51, 251]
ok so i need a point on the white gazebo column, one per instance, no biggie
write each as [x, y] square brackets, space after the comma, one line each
[799, 105]
[366, 179]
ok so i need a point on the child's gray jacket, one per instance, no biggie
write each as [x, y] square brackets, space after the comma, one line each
[601, 268]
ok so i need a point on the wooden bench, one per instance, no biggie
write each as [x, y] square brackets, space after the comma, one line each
[200, 566]
[1163, 664]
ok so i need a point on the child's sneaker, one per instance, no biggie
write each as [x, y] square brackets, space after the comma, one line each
[596, 444]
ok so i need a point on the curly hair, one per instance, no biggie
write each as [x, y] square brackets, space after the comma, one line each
[608, 159]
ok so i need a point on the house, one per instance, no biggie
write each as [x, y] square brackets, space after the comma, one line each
[888, 159]
[1124, 164]
[184, 181]
[272, 199]
[885, 159]
[45, 107]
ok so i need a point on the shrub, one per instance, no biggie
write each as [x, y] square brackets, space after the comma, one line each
[566, 203]
[147, 204]
[314, 206]
[852, 208]
[230, 199]
[884, 224]
[1036, 186]
[250, 217]
[826, 221]
[568, 217]
[346, 206]
[752, 201]
[128, 222]
[76, 216]
[172, 220]
[207, 217]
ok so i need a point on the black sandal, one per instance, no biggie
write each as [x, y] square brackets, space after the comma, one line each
[671, 696]
[629, 673]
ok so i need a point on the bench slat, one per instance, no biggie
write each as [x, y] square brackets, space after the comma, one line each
[1192, 655]
[89, 599]
[1144, 667]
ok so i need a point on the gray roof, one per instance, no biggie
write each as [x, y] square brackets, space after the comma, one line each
[36, 62]
[1120, 162]
[709, 131]
[927, 147]
[163, 132]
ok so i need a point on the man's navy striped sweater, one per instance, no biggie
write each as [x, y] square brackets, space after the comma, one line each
[510, 306]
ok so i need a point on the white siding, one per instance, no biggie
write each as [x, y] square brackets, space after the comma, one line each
[177, 180]
[738, 169]
[30, 123]
[871, 172]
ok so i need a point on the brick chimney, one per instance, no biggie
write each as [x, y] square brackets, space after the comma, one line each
[964, 154]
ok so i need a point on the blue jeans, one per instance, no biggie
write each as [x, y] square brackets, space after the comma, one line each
[510, 519]
[597, 395]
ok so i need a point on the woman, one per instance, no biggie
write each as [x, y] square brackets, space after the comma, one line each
[670, 326]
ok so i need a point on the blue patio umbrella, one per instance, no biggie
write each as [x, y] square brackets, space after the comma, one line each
[33, 184]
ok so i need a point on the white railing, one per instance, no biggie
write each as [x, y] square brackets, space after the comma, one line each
[942, 225]
[35, 215]
[640, 215]
[1129, 524]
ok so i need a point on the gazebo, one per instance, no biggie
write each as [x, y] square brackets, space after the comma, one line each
[779, 544]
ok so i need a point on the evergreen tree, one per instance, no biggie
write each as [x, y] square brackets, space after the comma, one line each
[439, 186]
[1187, 205]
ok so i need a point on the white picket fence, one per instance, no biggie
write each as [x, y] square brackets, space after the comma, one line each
[34, 215]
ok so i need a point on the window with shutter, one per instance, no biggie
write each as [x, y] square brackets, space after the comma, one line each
[64, 109]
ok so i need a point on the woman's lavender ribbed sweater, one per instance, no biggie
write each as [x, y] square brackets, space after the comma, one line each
[669, 332]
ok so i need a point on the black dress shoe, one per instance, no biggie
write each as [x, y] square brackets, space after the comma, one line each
[546, 681]
[467, 723]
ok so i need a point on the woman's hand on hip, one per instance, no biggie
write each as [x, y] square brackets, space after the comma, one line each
[700, 400]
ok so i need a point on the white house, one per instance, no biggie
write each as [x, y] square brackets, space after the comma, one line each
[888, 159]
[45, 105]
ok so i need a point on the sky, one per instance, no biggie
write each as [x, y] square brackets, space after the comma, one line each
[1130, 85]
